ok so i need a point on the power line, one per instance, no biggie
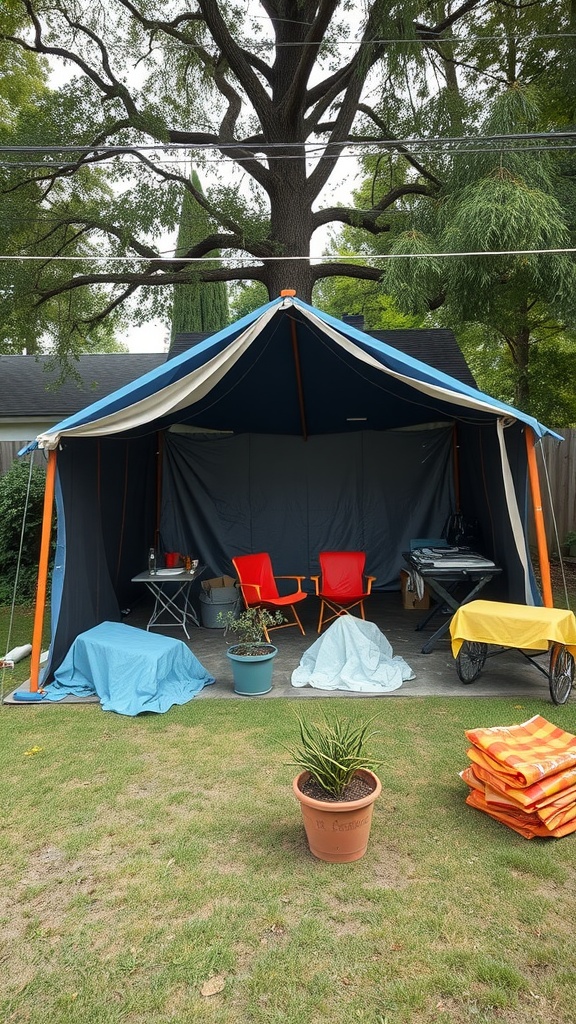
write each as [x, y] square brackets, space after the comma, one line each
[420, 40]
[260, 146]
[432, 151]
[288, 259]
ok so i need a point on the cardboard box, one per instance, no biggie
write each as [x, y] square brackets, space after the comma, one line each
[409, 597]
[218, 581]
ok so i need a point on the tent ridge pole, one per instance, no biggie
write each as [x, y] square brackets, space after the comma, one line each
[296, 355]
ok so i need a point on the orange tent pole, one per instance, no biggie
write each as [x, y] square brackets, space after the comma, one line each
[41, 585]
[539, 520]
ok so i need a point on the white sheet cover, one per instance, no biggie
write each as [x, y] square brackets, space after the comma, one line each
[352, 655]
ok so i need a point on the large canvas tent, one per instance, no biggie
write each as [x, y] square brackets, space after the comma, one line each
[289, 431]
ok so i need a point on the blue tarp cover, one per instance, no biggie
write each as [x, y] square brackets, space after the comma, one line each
[129, 669]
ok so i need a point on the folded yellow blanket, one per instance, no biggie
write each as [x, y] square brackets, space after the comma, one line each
[523, 754]
[540, 793]
[526, 824]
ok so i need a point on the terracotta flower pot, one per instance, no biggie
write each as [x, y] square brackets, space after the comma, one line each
[338, 831]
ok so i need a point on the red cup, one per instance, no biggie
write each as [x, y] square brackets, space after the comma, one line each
[171, 559]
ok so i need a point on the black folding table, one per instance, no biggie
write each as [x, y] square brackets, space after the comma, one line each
[454, 577]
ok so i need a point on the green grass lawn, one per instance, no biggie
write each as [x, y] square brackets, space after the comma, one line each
[143, 858]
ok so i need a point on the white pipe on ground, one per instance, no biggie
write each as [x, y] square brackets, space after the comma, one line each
[18, 653]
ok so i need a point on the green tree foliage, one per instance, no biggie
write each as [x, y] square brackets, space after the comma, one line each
[341, 296]
[493, 192]
[258, 90]
[254, 89]
[245, 297]
[197, 306]
[507, 203]
[21, 504]
[39, 221]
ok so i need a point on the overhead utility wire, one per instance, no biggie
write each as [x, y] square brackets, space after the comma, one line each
[258, 146]
[419, 39]
[287, 259]
[426, 39]
[166, 161]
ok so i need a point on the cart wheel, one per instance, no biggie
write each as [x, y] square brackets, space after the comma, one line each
[561, 673]
[470, 660]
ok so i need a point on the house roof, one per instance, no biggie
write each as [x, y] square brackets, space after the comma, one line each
[31, 399]
[29, 383]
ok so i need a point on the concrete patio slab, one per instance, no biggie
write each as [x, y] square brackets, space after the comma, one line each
[507, 674]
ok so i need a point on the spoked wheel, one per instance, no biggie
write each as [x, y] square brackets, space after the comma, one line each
[470, 660]
[561, 675]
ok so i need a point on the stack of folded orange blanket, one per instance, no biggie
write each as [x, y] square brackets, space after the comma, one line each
[524, 776]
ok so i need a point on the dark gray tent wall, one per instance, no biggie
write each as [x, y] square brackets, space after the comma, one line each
[225, 495]
[364, 490]
[106, 507]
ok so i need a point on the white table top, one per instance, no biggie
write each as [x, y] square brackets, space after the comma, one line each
[171, 576]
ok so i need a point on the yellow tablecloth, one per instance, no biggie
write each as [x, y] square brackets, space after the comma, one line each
[513, 625]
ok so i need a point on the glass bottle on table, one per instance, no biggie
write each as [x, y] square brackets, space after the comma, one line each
[152, 562]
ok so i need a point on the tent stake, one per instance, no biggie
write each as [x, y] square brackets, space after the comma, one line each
[539, 519]
[41, 586]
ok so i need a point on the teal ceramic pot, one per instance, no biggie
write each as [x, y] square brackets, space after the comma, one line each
[252, 673]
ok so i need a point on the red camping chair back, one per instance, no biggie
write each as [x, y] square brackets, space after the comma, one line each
[256, 569]
[342, 573]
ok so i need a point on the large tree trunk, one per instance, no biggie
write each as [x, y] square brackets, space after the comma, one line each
[291, 230]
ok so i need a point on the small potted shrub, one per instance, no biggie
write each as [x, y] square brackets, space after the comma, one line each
[251, 656]
[336, 788]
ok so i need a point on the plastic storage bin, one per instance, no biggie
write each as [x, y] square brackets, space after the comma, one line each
[216, 600]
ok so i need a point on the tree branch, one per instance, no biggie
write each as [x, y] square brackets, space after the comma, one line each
[321, 270]
[308, 57]
[150, 279]
[236, 58]
[110, 307]
[366, 219]
[388, 137]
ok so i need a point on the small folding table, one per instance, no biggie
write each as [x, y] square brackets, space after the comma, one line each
[454, 576]
[171, 591]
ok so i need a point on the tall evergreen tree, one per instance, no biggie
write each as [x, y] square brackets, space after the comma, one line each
[198, 305]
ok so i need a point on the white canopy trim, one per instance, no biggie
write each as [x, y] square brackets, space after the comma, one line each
[168, 399]
[432, 390]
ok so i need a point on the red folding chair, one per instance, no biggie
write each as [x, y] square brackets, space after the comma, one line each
[342, 585]
[259, 589]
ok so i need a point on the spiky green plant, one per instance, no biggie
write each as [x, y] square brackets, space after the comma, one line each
[333, 752]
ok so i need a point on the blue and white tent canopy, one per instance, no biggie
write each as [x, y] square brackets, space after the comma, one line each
[287, 368]
[394, 446]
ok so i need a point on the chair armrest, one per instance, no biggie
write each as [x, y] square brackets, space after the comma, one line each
[369, 581]
[316, 582]
[254, 586]
[299, 578]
